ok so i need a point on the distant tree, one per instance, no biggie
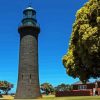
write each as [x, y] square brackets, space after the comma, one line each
[47, 88]
[5, 86]
[83, 57]
[63, 87]
[0, 95]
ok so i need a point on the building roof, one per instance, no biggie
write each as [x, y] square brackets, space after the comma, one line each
[79, 82]
[98, 80]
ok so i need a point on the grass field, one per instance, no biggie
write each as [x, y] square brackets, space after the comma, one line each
[60, 98]
[73, 98]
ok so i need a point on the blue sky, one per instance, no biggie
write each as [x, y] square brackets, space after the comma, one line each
[55, 18]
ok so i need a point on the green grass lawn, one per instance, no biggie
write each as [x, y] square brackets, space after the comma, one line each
[64, 98]
[72, 98]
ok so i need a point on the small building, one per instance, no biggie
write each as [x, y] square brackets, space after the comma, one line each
[94, 87]
[80, 89]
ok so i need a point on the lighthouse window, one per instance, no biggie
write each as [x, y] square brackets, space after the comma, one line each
[30, 14]
[34, 16]
[22, 76]
[30, 76]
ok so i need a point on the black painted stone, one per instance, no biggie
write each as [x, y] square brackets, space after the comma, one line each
[28, 77]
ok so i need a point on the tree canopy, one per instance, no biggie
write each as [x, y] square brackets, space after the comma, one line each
[47, 88]
[63, 87]
[5, 86]
[83, 57]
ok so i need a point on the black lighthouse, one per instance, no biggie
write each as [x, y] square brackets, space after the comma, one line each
[28, 76]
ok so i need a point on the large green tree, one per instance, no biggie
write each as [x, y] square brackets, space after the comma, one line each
[83, 57]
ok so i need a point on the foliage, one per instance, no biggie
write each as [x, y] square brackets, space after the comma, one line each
[5, 86]
[83, 57]
[0, 95]
[73, 93]
[47, 88]
[63, 87]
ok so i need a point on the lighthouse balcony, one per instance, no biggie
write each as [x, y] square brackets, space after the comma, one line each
[30, 27]
[29, 23]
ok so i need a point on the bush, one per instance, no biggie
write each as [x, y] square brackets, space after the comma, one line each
[73, 93]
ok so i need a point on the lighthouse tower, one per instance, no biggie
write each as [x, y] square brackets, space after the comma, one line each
[28, 76]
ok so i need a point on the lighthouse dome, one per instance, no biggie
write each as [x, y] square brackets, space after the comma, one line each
[30, 8]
